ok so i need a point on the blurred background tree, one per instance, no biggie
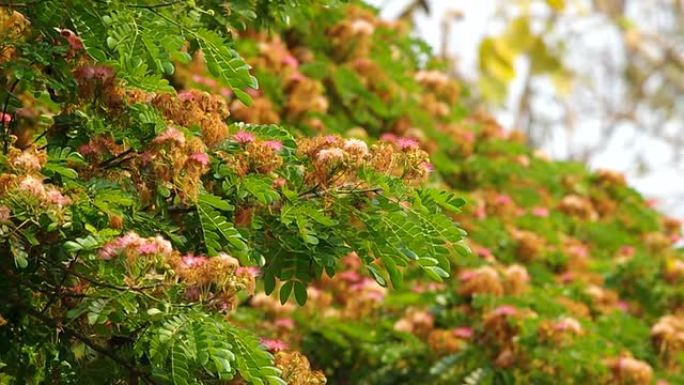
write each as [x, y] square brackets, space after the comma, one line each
[599, 81]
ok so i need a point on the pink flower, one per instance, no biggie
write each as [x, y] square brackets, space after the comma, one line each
[330, 155]
[285, 323]
[74, 41]
[33, 186]
[505, 310]
[4, 214]
[480, 212]
[279, 182]
[56, 198]
[484, 252]
[170, 135]
[503, 199]
[469, 136]
[273, 345]
[388, 137]
[190, 260]
[86, 149]
[467, 275]
[248, 270]
[627, 250]
[407, 144]
[349, 276]
[330, 139]
[580, 251]
[541, 212]
[226, 92]
[5, 118]
[243, 137]
[273, 145]
[567, 277]
[296, 77]
[186, 96]
[623, 306]
[192, 293]
[463, 332]
[147, 248]
[290, 61]
[427, 166]
[201, 158]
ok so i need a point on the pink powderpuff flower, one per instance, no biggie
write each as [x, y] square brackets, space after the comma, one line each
[467, 275]
[567, 277]
[226, 92]
[484, 253]
[503, 199]
[580, 251]
[274, 145]
[148, 248]
[191, 261]
[243, 137]
[291, 61]
[427, 166]
[170, 135]
[505, 310]
[349, 276]
[86, 149]
[192, 293]
[201, 158]
[622, 306]
[74, 41]
[279, 182]
[469, 136]
[330, 155]
[296, 77]
[627, 251]
[186, 96]
[541, 212]
[388, 137]
[463, 332]
[56, 198]
[480, 212]
[248, 270]
[33, 186]
[5, 118]
[356, 146]
[163, 246]
[652, 202]
[273, 345]
[284, 323]
[5, 213]
[407, 144]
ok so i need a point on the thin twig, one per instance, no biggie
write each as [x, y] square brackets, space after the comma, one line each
[57, 324]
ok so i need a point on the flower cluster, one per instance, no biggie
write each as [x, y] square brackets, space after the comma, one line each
[255, 155]
[13, 26]
[194, 107]
[176, 162]
[214, 281]
[336, 161]
[668, 337]
[25, 180]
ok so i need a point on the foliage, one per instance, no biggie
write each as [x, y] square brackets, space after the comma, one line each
[155, 221]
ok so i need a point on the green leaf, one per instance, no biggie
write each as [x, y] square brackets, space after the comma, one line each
[300, 293]
[285, 291]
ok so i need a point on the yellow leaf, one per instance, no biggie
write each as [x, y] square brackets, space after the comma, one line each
[557, 5]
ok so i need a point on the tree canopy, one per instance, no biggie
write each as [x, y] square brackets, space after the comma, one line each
[293, 192]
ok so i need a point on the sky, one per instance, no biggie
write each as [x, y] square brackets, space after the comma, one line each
[664, 184]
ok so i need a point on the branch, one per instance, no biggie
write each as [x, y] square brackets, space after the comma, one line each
[57, 324]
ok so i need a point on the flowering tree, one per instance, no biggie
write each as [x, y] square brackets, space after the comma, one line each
[165, 221]
[134, 217]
